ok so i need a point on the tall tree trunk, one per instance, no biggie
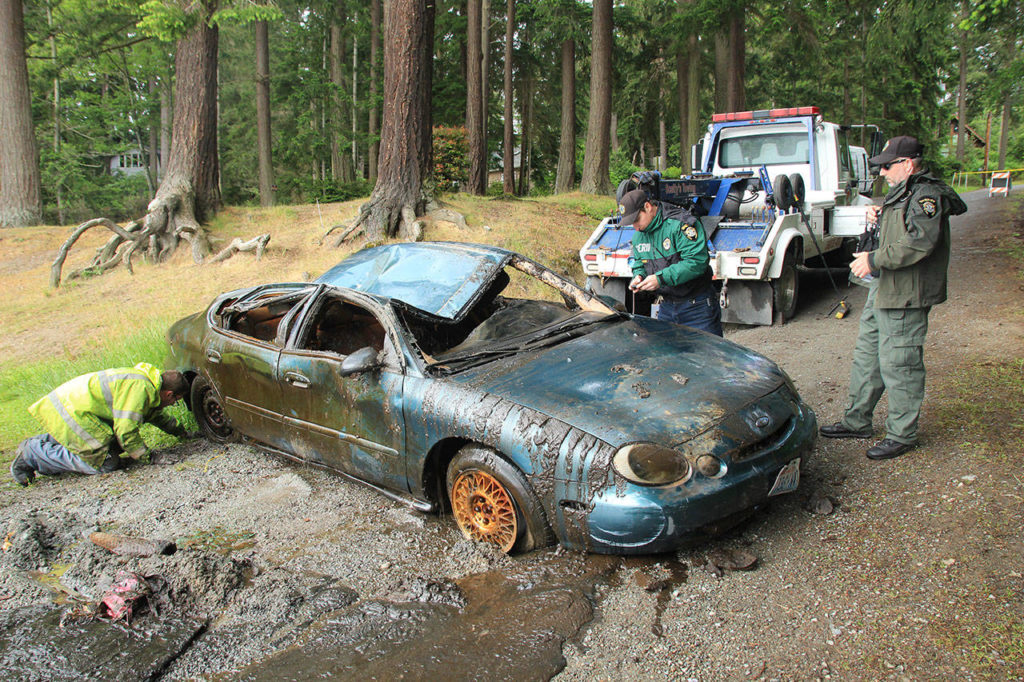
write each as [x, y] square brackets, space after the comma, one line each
[722, 71]
[477, 183]
[405, 147]
[20, 203]
[687, 88]
[663, 104]
[334, 129]
[525, 115]
[961, 100]
[595, 179]
[355, 99]
[737, 60]
[190, 191]
[485, 54]
[1004, 130]
[371, 125]
[565, 176]
[263, 140]
[165, 126]
[154, 133]
[508, 140]
[59, 185]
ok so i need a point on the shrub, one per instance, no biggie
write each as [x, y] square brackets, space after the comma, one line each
[451, 158]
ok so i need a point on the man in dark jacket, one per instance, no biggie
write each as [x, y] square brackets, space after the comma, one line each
[906, 276]
[670, 258]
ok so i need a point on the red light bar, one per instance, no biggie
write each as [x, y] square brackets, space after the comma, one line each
[590, 256]
[751, 260]
[765, 113]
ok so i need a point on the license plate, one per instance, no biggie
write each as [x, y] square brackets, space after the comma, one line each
[787, 480]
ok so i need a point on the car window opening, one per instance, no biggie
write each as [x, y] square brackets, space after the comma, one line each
[343, 328]
[262, 321]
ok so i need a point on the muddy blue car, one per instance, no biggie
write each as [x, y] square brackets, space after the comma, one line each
[471, 379]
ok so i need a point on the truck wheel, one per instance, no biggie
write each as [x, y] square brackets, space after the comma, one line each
[492, 502]
[785, 290]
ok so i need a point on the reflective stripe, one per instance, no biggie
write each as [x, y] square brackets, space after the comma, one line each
[75, 427]
[106, 377]
[128, 414]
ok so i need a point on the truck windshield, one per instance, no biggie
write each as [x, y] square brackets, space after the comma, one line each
[767, 149]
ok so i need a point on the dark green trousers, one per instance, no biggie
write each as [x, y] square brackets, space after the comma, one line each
[889, 356]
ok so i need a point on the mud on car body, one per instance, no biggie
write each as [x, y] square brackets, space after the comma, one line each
[411, 368]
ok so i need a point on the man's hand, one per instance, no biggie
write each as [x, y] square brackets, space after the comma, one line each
[860, 265]
[872, 213]
[649, 283]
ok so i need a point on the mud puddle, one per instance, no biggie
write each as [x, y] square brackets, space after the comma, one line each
[486, 626]
[36, 645]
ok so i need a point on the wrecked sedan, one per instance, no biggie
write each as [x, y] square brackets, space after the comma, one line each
[537, 417]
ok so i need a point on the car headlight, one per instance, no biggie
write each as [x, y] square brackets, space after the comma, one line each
[650, 464]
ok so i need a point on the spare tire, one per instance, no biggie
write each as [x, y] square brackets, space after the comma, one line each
[783, 191]
[799, 193]
[627, 185]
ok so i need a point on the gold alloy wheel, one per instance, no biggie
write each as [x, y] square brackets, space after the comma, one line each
[484, 510]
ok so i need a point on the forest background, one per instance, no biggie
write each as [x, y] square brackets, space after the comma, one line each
[101, 80]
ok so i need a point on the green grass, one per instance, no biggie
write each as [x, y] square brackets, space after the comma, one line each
[23, 384]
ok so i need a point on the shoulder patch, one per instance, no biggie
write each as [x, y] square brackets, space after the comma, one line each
[691, 232]
[928, 205]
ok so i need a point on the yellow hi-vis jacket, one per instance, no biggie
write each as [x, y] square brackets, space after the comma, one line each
[87, 413]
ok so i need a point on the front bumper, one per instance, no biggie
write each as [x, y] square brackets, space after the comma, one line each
[630, 519]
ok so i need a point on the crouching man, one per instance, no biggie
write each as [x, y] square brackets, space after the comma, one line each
[92, 419]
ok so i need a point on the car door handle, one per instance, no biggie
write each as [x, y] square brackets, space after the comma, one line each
[212, 355]
[297, 380]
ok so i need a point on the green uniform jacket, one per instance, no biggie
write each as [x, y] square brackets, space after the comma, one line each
[674, 251]
[914, 242]
[87, 413]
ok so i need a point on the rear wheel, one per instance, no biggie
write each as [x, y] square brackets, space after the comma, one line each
[492, 502]
[785, 290]
[209, 413]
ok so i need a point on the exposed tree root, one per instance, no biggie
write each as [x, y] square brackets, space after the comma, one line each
[169, 221]
[257, 244]
[407, 225]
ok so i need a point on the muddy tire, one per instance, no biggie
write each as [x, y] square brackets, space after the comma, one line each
[492, 502]
[785, 290]
[209, 413]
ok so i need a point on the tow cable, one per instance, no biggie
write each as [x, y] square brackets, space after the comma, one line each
[841, 309]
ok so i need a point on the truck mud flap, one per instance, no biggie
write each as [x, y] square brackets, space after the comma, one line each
[750, 302]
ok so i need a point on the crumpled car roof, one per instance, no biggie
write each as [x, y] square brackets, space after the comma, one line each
[441, 278]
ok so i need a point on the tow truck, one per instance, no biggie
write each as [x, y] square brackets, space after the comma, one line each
[776, 192]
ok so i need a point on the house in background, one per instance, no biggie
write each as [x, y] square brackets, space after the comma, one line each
[129, 162]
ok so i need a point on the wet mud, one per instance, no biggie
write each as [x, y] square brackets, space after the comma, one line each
[509, 628]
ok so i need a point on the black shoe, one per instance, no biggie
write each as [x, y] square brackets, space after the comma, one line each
[839, 430]
[22, 472]
[888, 448]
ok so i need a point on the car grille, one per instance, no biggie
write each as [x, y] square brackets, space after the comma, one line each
[766, 444]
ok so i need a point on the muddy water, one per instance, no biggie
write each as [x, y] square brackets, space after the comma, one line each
[35, 646]
[509, 628]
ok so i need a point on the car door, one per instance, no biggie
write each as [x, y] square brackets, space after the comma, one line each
[351, 423]
[242, 358]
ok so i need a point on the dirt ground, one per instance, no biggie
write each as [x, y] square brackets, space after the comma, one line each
[285, 572]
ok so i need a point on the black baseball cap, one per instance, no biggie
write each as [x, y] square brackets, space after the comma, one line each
[899, 147]
[632, 203]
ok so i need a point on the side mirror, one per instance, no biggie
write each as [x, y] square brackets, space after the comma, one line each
[363, 360]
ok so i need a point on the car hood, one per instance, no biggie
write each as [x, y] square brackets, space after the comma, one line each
[441, 278]
[643, 380]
